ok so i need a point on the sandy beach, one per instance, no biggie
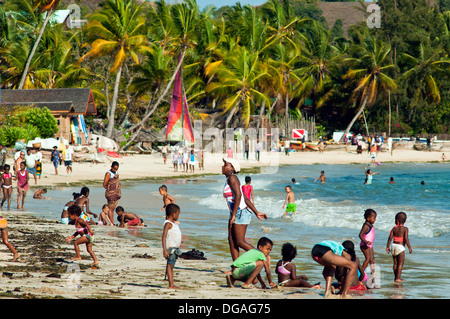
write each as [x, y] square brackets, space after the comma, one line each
[131, 267]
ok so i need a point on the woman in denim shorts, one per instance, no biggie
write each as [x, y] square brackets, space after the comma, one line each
[240, 215]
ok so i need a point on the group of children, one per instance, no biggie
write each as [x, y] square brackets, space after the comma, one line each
[22, 177]
[339, 260]
[184, 160]
[77, 212]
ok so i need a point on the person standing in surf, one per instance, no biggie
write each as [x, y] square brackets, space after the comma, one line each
[113, 191]
[239, 206]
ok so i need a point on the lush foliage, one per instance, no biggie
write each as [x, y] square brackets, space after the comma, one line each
[42, 119]
[239, 62]
[26, 123]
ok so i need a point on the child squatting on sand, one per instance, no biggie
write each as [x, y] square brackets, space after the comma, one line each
[128, 219]
[399, 235]
[247, 267]
[103, 218]
[171, 240]
[84, 230]
[358, 281]
[331, 254]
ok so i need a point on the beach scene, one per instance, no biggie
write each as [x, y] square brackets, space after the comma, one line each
[131, 257]
[185, 150]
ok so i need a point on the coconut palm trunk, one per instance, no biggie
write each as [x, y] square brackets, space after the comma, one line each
[33, 50]
[112, 111]
[357, 115]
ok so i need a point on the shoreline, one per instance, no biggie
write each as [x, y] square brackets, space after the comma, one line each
[143, 167]
[132, 267]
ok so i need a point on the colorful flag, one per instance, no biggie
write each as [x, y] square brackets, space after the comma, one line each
[179, 126]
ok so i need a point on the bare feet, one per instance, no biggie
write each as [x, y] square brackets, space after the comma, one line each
[230, 281]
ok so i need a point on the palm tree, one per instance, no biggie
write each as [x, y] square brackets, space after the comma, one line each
[285, 75]
[319, 59]
[47, 6]
[369, 70]
[14, 57]
[248, 26]
[18, 24]
[284, 51]
[117, 30]
[178, 27]
[282, 25]
[240, 73]
[425, 69]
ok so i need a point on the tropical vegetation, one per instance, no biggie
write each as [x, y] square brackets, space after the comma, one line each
[239, 62]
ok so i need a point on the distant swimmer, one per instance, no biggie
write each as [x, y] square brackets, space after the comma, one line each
[295, 182]
[323, 179]
[391, 180]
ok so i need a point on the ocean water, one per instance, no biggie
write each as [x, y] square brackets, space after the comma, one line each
[331, 211]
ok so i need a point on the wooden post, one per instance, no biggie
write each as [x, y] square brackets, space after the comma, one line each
[389, 98]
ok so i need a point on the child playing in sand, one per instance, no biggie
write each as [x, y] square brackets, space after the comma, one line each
[4, 231]
[103, 218]
[400, 236]
[171, 240]
[357, 282]
[83, 202]
[23, 187]
[6, 182]
[39, 192]
[367, 236]
[84, 230]
[247, 189]
[291, 206]
[285, 270]
[167, 199]
[322, 178]
[127, 218]
[331, 254]
[65, 213]
[247, 267]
